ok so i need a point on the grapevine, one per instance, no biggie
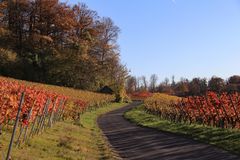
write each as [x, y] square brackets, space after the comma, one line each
[212, 109]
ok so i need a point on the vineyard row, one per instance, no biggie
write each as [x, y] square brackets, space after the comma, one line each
[33, 109]
[212, 109]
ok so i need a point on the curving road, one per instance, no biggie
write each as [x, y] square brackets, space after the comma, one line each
[133, 142]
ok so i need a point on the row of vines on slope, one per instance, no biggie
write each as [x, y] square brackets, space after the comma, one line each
[141, 95]
[218, 110]
[40, 108]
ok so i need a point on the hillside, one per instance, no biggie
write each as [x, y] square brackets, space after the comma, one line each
[53, 123]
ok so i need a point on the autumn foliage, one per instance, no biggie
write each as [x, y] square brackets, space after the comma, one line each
[53, 42]
[218, 110]
[36, 97]
[141, 95]
[159, 102]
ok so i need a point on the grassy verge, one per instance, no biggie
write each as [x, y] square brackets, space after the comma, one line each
[223, 138]
[66, 141]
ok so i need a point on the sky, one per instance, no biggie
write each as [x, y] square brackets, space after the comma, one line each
[184, 38]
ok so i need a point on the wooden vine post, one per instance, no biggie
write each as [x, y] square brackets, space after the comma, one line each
[15, 126]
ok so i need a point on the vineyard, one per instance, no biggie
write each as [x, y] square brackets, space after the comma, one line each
[30, 108]
[141, 95]
[212, 109]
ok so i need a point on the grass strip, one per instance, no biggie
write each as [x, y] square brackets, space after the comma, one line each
[66, 140]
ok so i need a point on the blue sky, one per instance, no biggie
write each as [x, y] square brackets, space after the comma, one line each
[185, 38]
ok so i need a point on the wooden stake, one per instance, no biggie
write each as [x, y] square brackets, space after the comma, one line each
[15, 126]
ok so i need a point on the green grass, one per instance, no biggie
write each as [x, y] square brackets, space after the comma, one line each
[66, 141]
[228, 139]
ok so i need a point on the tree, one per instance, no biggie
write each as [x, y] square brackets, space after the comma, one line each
[234, 79]
[166, 81]
[120, 73]
[3, 9]
[198, 86]
[182, 87]
[163, 88]
[60, 44]
[233, 84]
[131, 84]
[144, 83]
[153, 83]
[216, 84]
[173, 82]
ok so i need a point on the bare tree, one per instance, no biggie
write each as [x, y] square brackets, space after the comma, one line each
[173, 81]
[145, 83]
[166, 81]
[153, 82]
[131, 84]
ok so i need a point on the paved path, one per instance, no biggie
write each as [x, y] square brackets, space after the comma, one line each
[137, 143]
